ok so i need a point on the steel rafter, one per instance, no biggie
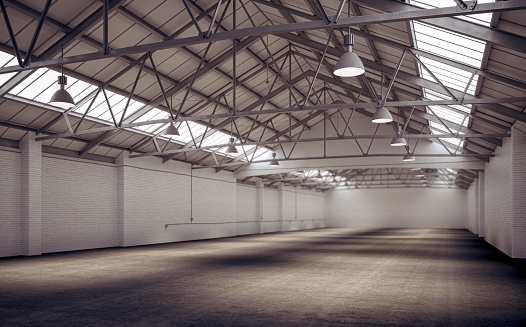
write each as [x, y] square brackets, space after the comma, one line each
[275, 29]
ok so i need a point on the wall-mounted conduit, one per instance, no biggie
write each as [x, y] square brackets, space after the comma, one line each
[238, 222]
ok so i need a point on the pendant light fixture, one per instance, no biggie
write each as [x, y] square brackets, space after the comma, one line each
[231, 148]
[319, 174]
[62, 98]
[382, 115]
[408, 157]
[171, 130]
[274, 162]
[399, 140]
[349, 64]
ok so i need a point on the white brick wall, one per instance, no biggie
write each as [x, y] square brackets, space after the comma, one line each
[246, 205]
[519, 190]
[154, 194]
[79, 204]
[10, 203]
[73, 203]
[397, 208]
[498, 198]
[305, 209]
[272, 212]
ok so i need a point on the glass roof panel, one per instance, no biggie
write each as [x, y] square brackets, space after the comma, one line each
[6, 60]
[456, 47]
[482, 19]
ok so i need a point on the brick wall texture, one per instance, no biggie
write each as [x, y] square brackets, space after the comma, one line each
[52, 203]
[501, 193]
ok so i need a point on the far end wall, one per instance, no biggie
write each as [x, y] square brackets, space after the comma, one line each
[397, 208]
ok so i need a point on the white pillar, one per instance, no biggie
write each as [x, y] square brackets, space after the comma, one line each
[31, 189]
[518, 139]
[261, 203]
[480, 209]
[281, 193]
[121, 162]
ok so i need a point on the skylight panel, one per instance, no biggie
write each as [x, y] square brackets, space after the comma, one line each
[456, 47]
[17, 90]
[218, 138]
[79, 89]
[6, 60]
[437, 128]
[482, 19]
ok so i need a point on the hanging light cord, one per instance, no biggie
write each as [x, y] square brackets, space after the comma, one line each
[62, 56]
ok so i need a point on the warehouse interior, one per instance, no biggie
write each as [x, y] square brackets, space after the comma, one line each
[262, 162]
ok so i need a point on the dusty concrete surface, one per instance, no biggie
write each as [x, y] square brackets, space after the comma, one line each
[326, 277]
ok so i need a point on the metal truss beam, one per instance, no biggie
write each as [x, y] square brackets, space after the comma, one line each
[321, 139]
[429, 155]
[54, 49]
[416, 80]
[274, 29]
[404, 105]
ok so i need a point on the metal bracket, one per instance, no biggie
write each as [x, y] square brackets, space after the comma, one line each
[472, 5]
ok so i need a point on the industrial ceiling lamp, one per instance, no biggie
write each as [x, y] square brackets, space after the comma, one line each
[274, 162]
[231, 148]
[382, 115]
[171, 130]
[408, 157]
[399, 140]
[349, 64]
[62, 98]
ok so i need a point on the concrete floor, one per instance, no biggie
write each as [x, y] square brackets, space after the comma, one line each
[326, 277]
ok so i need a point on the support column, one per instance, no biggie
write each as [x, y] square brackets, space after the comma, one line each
[261, 203]
[281, 205]
[518, 139]
[480, 202]
[121, 208]
[476, 227]
[31, 197]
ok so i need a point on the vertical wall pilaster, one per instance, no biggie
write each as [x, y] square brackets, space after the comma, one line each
[518, 139]
[121, 198]
[31, 197]
[480, 204]
[281, 205]
[261, 203]
[478, 208]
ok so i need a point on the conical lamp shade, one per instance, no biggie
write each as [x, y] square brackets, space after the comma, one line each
[171, 130]
[274, 162]
[231, 148]
[382, 115]
[62, 99]
[398, 141]
[408, 158]
[349, 65]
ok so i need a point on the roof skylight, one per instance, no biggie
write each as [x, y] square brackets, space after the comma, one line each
[41, 85]
[453, 46]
